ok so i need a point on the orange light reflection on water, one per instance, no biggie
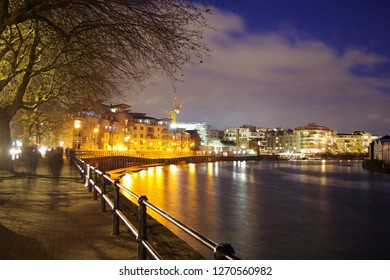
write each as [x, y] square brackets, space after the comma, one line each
[180, 190]
[173, 168]
[126, 180]
[323, 179]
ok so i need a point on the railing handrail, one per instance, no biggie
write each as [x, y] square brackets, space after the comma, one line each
[221, 251]
[137, 154]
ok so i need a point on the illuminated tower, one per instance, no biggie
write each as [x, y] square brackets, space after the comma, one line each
[175, 110]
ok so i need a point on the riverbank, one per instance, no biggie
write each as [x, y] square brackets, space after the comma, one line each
[110, 163]
[376, 165]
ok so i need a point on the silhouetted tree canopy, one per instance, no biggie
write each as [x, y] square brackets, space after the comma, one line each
[78, 51]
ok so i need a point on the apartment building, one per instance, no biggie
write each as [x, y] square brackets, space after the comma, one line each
[356, 142]
[279, 140]
[309, 139]
[116, 128]
[241, 136]
[313, 139]
[209, 137]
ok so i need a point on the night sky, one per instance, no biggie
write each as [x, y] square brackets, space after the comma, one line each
[285, 63]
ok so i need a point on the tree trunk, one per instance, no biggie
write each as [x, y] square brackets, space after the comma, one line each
[6, 162]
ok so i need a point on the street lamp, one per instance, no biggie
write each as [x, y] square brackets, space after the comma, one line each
[77, 126]
[95, 132]
[127, 144]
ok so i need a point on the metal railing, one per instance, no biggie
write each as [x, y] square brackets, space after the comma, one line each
[97, 182]
[118, 162]
[141, 154]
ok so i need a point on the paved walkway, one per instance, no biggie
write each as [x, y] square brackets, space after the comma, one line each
[47, 218]
[44, 218]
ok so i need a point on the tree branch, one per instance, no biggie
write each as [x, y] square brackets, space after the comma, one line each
[18, 100]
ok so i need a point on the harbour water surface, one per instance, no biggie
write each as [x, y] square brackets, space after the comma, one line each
[277, 209]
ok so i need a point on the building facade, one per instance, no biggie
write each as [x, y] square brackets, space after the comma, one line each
[116, 128]
[380, 149]
[356, 142]
[246, 137]
[310, 139]
[313, 139]
[279, 141]
[208, 136]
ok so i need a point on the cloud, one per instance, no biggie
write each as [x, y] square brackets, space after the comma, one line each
[276, 78]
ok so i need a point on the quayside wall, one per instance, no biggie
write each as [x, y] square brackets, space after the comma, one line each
[107, 163]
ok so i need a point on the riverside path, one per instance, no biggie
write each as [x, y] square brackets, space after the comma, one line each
[46, 218]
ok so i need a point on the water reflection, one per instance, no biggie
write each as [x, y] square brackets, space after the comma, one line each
[277, 210]
[126, 180]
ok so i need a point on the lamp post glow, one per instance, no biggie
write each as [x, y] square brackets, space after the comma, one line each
[95, 142]
[77, 126]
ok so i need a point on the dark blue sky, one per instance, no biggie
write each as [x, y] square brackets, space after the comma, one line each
[342, 23]
[283, 63]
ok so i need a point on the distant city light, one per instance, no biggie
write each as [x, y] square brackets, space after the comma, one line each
[43, 150]
[77, 124]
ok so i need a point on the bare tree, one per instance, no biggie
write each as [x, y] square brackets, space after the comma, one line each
[44, 125]
[79, 51]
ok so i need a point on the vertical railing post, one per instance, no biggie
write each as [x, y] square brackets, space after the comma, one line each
[142, 236]
[89, 176]
[95, 183]
[223, 250]
[82, 170]
[115, 217]
[86, 174]
[103, 188]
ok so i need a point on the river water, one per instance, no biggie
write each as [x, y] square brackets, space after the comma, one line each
[277, 209]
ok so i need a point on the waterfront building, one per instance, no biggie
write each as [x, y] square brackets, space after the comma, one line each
[231, 134]
[312, 139]
[246, 137]
[240, 136]
[386, 153]
[379, 149]
[356, 142]
[257, 140]
[261, 140]
[379, 155]
[208, 136]
[116, 128]
[305, 140]
[279, 141]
